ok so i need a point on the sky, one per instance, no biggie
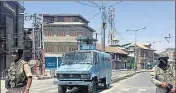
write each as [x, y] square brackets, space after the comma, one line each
[157, 16]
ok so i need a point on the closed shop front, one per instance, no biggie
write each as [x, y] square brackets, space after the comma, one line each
[11, 30]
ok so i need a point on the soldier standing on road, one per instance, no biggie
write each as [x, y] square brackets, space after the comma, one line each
[19, 76]
[163, 75]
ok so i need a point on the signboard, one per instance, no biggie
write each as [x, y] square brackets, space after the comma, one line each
[50, 62]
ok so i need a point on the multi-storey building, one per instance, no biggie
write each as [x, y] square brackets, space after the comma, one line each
[61, 30]
[11, 30]
[118, 56]
[144, 54]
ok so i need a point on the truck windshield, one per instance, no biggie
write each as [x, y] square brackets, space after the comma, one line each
[77, 58]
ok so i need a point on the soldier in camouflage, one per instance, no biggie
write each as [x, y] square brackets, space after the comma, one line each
[163, 75]
[19, 76]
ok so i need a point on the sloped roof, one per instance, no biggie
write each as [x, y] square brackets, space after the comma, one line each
[111, 49]
[139, 45]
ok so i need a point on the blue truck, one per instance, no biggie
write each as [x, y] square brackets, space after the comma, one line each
[85, 69]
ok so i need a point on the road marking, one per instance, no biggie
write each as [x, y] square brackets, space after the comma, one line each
[142, 89]
[125, 89]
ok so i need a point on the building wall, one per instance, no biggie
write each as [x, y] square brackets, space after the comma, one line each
[67, 30]
[172, 53]
[52, 19]
[62, 38]
[11, 23]
[60, 47]
[141, 60]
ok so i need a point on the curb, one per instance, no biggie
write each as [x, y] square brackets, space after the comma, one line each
[113, 80]
[124, 77]
[42, 78]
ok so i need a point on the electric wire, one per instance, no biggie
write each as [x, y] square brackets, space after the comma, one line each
[115, 4]
[94, 4]
[86, 4]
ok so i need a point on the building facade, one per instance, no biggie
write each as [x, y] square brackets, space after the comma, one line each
[118, 56]
[61, 30]
[144, 55]
[11, 30]
[172, 54]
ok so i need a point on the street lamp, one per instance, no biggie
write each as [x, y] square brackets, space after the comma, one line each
[135, 42]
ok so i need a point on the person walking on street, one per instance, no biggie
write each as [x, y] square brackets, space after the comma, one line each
[163, 75]
[19, 77]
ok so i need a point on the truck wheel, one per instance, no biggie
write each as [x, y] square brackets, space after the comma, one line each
[62, 89]
[106, 86]
[92, 88]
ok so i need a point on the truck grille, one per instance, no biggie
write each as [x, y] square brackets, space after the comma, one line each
[69, 76]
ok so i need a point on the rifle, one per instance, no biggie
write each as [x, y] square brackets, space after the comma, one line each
[168, 88]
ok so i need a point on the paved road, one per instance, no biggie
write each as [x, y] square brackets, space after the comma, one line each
[47, 86]
[139, 83]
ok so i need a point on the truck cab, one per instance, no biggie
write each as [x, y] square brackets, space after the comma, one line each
[84, 68]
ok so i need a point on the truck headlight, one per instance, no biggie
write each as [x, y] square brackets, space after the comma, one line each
[84, 76]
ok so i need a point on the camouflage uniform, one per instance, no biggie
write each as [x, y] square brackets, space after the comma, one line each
[17, 77]
[159, 75]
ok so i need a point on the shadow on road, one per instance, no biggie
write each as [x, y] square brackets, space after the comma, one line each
[75, 90]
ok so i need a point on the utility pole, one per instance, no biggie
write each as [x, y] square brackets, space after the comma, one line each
[135, 49]
[36, 40]
[103, 27]
[33, 36]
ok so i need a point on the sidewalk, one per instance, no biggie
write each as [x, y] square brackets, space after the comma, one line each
[41, 77]
[124, 76]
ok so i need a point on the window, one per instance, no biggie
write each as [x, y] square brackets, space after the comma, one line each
[55, 19]
[60, 19]
[79, 33]
[68, 19]
[72, 48]
[88, 34]
[48, 19]
[71, 33]
[62, 49]
[49, 48]
[76, 19]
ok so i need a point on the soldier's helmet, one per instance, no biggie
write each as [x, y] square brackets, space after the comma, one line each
[17, 51]
[163, 55]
